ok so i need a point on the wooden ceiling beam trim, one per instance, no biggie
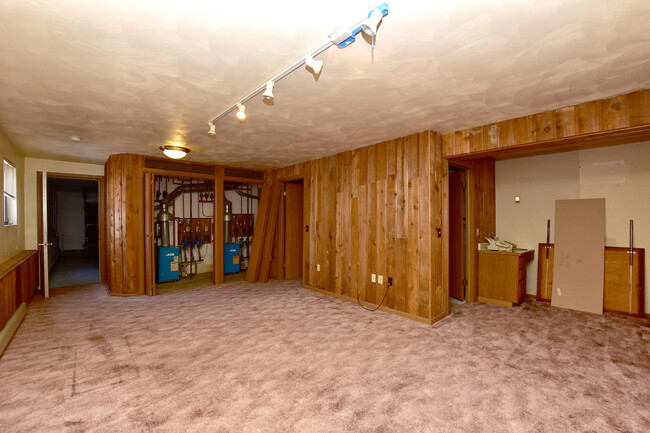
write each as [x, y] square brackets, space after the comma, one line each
[610, 121]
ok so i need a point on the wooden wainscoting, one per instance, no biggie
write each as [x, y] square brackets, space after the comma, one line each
[18, 282]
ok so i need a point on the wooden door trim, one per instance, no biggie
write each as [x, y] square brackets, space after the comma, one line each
[101, 207]
[149, 233]
[218, 228]
[461, 173]
[281, 221]
[471, 290]
[281, 263]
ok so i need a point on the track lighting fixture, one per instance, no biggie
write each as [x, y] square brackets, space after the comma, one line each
[175, 152]
[241, 111]
[212, 133]
[314, 65]
[268, 94]
[370, 25]
[341, 37]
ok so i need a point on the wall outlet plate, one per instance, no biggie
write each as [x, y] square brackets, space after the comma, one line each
[318, 267]
[373, 278]
[380, 279]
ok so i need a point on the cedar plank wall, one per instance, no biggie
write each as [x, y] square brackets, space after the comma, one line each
[124, 225]
[563, 127]
[377, 209]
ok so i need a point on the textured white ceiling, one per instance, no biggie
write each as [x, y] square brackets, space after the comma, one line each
[128, 76]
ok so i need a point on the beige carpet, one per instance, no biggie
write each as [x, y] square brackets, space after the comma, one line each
[276, 357]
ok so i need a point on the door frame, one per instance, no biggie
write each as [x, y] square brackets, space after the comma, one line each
[465, 213]
[304, 176]
[471, 260]
[41, 189]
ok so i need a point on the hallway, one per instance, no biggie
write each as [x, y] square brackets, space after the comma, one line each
[75, 268]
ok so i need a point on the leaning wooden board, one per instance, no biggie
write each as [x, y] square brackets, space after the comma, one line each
[618, 297]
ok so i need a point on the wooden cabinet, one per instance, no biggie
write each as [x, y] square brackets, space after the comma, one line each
[502, 276]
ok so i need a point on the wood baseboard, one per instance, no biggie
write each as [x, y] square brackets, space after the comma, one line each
[495, 302]
[369, 305]
[12, 326]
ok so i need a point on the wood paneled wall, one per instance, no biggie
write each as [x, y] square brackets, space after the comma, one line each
[611, 118]
[124, 225]
[377, 209]
[18, 282]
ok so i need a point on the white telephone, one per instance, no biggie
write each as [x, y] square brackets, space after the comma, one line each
[496, 244]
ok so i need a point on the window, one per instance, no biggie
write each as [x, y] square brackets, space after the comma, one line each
[11, 208]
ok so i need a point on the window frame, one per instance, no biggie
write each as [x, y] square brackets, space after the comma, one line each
[12, 195]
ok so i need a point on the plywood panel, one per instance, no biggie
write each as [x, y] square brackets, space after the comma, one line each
[579, 255]
[269, 233]
[545, 260]
[624, 282]
[438, 297]
[258, 235]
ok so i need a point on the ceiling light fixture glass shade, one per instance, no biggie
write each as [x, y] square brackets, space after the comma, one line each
[268, 93]
[241, 112]
[212, 133]
[314, 65]
[370, 25]
[175, 152]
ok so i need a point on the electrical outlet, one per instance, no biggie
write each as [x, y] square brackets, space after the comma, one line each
[318, 267]
[389, 281]
[380, 279]
[373, 278]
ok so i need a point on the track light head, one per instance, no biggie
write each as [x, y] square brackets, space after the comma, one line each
[241, 112]
[268, 93]
[370, 25]
[314, 65]
[212, 133]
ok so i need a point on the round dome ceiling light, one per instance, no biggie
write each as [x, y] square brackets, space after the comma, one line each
[175, 152]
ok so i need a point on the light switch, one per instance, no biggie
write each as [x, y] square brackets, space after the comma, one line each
[373, 278]
[318, 267]
[380, 279]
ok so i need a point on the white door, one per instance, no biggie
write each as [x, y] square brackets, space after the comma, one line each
[43, 243]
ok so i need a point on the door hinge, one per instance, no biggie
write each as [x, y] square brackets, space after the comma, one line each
[284, 193]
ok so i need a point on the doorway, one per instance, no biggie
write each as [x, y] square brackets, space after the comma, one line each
[457, 236]
[73, 231]
[292, 229]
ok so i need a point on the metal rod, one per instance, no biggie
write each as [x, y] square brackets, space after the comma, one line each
[322, 48]
[631, 241]
[631, 263]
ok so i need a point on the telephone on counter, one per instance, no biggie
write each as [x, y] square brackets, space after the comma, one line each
[496, 244]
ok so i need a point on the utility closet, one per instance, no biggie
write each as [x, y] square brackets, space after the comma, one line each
[184, 219]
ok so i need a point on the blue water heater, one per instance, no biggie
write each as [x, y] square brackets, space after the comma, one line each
[230, 258]
[167, 261]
